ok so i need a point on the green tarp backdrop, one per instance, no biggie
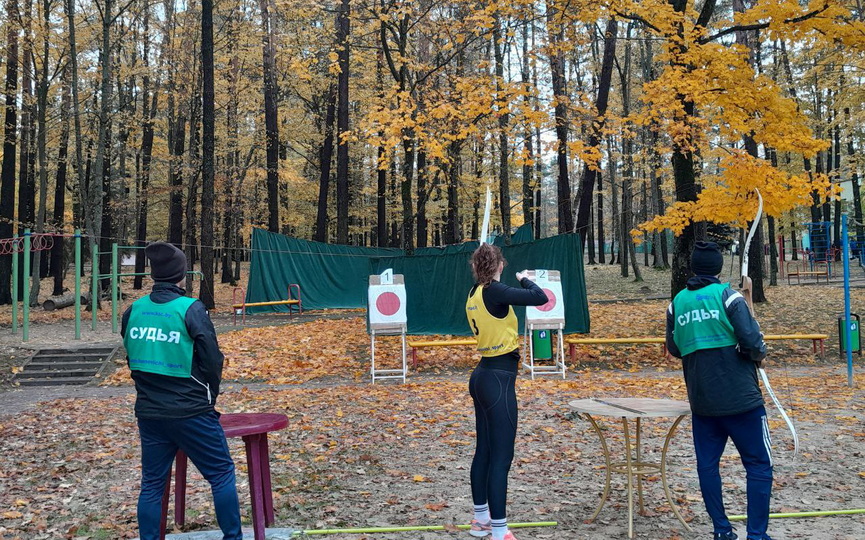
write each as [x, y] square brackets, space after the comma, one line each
[329, 275]
[335, 276]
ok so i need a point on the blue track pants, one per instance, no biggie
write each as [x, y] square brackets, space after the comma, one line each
[750, 433]
[202, 439]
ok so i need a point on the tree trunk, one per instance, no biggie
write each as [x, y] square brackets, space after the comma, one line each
[148, 113]
[560, 95]
[98, 181]
[528, 169]
[342, 127]
[42, 113]
[600, 213]
[59, 219]
[422, 196]
[854, 180]
[615, 240]
[453, 232]
[208, 177]
[10, 137]
[503, 120]
[271, 117]
[325, 155]
[595, 134]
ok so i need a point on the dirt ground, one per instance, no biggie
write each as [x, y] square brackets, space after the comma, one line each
[357, 455]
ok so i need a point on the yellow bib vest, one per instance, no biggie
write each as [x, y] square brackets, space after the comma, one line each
[495, 336]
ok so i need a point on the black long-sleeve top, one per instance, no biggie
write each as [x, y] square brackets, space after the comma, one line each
[498, 298]
[160, 396]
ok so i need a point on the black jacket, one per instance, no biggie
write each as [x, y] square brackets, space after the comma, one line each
[160, 396]
[723, 381]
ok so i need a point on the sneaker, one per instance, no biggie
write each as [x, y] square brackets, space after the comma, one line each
[479, 529]
[510, 536]
[726, 536]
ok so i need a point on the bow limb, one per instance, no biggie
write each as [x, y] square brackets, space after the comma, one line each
[747, 292]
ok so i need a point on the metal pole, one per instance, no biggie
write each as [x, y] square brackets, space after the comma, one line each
[26, 279]
[94, 287]
[114, 287]
[15, 283]
[77, 283]
[846, 256]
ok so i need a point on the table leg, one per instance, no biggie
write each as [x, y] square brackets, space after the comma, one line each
[664, 472]
[629, 474]
[253, 457]
[181, 463]
[606, 450]
[163, 522]
[639, 476]
[266, 488]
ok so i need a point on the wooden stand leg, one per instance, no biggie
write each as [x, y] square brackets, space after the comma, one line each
[266, 488]
[253, 456]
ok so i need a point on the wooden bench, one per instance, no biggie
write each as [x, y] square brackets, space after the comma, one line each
[424, 344]
[574, 341]
[794, 269]
[815, 338]
[243, 304]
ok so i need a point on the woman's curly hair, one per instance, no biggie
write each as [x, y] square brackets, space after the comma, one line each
[485, 263]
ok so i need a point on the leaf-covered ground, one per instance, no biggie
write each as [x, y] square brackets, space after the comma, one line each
[355, 454]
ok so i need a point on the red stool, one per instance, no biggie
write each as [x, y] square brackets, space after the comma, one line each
[253, 428]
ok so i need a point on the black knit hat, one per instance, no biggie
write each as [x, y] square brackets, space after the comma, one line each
[167, 263]
[706, 259]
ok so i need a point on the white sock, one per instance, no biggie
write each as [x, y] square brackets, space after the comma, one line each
[482, 513]
[500, 528]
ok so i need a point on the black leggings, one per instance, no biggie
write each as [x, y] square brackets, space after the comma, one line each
[495, 401]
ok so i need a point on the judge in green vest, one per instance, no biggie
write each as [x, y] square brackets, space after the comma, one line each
[177, 367]
[710, 327]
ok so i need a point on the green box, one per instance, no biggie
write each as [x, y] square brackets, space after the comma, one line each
[542, 344]
[854, 334]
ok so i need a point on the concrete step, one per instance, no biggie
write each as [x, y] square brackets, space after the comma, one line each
[84, 351]
[40, 365]
[54, 373]
[53, 381]
[62, 359]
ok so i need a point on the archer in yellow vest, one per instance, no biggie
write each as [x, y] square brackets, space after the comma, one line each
[490, 314]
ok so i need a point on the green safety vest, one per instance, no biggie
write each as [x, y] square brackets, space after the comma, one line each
[157, 340]
[701, 320]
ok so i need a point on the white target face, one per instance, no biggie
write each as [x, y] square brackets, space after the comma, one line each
[554, 309]
[386, 304]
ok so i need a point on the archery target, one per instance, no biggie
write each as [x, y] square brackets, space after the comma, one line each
[554, 309]
[387, 304]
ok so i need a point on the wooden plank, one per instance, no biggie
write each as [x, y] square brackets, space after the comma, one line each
[602, 341]
[276, 303]
[443, 343]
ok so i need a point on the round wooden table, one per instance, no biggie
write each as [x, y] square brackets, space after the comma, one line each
[253, 429]
[633, 465]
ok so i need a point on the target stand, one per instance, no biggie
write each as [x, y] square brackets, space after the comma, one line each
[387, 317]
[550, 316]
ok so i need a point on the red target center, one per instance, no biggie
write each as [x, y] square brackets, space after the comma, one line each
[551, 301]
[387, 303]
